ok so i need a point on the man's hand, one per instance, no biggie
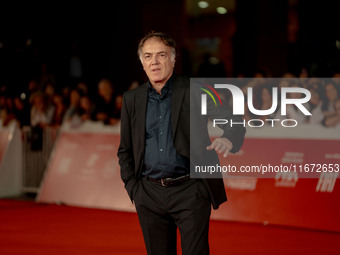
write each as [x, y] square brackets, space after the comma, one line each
[221, 145]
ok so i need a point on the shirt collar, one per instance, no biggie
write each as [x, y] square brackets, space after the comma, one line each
[167, 87]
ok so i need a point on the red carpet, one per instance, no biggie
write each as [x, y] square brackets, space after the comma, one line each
[30, 228]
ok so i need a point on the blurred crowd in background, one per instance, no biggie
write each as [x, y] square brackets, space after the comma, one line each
[43, 103]
[324, 104]
[54, 72]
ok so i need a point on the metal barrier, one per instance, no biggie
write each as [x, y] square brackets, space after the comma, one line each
[37, 147]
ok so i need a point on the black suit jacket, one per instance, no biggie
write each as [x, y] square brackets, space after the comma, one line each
[132, 143]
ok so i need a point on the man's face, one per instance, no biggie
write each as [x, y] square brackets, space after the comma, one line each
[157, 61]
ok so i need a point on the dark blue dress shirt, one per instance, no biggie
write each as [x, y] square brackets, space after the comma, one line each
[161, 159]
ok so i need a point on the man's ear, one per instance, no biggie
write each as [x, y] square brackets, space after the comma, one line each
[173, 63]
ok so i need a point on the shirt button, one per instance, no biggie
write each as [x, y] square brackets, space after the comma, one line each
[161, 149]
[161, 133]
[160, 117]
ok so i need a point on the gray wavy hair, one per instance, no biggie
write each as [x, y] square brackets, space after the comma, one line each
[166, 39]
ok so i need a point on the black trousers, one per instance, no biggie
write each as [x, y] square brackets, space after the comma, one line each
[162, 209]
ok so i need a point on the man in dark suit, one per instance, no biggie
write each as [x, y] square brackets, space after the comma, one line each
[154, 155]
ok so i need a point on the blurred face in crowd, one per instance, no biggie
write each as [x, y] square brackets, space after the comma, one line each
[331, 92]
[58, 99]
[82, 87]
[105, 89]
[158, 61]
[295, 94]
[18, 104]
[266, 96]
[85, 103]
[49, 90]
[32, 85]
[2, 101]
[315, 98]
[337, 107]
[39, 103]
[74, 97]
[119, 102]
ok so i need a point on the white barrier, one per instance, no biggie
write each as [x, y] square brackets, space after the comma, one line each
[37, 147]
[83, 169]
[10, 161]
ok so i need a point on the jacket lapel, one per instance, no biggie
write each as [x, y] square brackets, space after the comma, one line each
[140, 104]
[176, 102]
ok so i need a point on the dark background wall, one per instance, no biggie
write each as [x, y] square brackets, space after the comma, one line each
[273, 36]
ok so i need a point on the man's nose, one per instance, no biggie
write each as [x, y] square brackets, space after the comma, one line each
[154, 60]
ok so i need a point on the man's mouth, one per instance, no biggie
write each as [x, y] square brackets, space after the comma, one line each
[155, 70]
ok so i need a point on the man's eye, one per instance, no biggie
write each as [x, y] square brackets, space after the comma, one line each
[147, 57]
